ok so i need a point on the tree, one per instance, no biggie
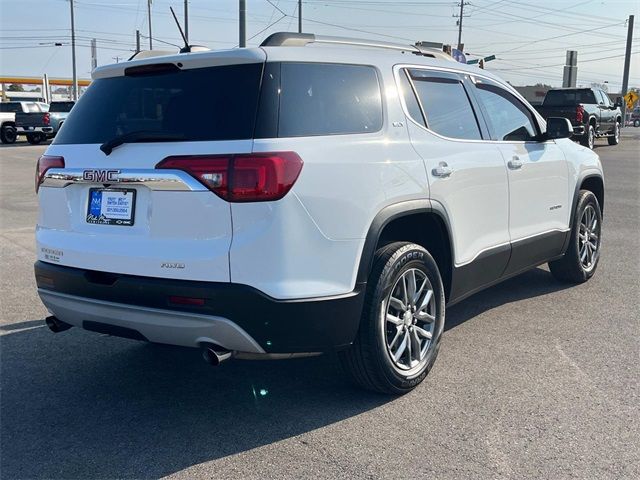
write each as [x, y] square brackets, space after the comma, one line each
[15, 87]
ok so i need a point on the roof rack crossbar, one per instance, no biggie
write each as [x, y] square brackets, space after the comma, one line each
[290, 39]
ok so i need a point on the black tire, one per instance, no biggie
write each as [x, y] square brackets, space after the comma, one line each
[570, 267]
[36, 138]
[589, 137]
[8, 134]
[636, 123]
[368, 361]
[615, 138]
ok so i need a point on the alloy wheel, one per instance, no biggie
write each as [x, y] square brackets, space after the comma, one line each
[589, 238]
[409, 321]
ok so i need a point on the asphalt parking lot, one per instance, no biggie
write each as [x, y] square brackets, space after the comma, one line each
[535, 379]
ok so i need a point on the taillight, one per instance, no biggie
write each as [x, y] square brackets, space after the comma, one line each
[45, 162]
[579, 113]
[255, 177]
[46, 119]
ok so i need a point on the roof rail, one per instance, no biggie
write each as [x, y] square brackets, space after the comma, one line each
[289, 39]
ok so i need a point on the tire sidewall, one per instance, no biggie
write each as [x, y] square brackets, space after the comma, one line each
[9, 135]
[410, 256]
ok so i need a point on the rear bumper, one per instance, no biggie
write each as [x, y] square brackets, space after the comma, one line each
[26, 130]
[236, 317]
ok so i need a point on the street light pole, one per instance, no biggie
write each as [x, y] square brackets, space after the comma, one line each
[299, 16]
[149, 14]
[627, 66]
[74, 88]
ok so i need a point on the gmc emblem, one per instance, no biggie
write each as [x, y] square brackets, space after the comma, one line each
[101, 176]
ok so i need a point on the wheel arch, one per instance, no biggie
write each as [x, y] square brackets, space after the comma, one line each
[417, 221]
[595, 184]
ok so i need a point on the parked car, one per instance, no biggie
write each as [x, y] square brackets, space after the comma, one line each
[8, 110]
[335, 197]
[590, 111]
[39, 126]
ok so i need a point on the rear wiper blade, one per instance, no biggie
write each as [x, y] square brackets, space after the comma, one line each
[139, 136]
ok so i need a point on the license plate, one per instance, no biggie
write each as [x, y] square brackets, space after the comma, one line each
[110, 206]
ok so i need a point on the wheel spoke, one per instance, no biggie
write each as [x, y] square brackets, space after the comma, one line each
[416, 298]
[405, 297]
[396, 338]
[583, 253]
[397, 304]
[401, 348]
[393, 319]
[409, 348]
[422, 332]
[425, 300]
[417, 347]
[411, 284]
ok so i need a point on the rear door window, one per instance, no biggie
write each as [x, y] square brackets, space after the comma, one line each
[446, 105]
[328, 99]
[559, 98]
[213, 103]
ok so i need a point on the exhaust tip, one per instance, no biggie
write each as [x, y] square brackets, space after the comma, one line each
[215, 355]
[56, 325]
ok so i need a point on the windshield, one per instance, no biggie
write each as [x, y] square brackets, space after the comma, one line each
[213, 103]
[60, 107]
[559, 98]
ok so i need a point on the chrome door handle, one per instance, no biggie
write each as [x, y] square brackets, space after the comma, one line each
[442, 170]
[515, 163]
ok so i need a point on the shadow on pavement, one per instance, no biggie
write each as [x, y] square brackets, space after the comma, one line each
[76, 405]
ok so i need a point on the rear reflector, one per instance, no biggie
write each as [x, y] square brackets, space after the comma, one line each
[256, 177]
[45, 162]
[186, 301]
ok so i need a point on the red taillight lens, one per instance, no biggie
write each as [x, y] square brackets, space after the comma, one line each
[579, 113]
[256, 177]
[45, 162]
[46, 119]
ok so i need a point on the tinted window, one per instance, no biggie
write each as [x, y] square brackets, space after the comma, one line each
[326, 99]
[61, 106]
[12, 107]
[446, 105]
[508, 118]
[410, 98]
[605, 99]
[559, 98]
[214, 103]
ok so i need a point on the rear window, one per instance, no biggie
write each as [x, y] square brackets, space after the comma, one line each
[61, 107]
[328, 99]
[213, 103]
[10, 107]
[559, 98]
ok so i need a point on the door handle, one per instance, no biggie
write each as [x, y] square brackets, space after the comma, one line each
[442, 170]
[515, 163]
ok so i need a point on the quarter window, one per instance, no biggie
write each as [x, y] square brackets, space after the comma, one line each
[446, 105]
[328, 99]
[508, 118]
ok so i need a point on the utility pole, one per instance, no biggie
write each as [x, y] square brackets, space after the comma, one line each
[74, 88]
[627, 66]
[299, 16]
[186, 20]
[460, 17]
[137, 41]
[94, 54]
[243, 24]
[149, 14]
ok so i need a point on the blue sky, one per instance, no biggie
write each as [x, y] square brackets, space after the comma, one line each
[529, 38]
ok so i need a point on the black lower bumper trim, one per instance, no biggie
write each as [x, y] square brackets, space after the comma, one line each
[279, 326]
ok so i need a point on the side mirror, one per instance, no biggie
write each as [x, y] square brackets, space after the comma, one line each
[558, 127]
[618, 103]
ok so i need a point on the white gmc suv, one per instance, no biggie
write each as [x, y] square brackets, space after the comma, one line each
[309, 195]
